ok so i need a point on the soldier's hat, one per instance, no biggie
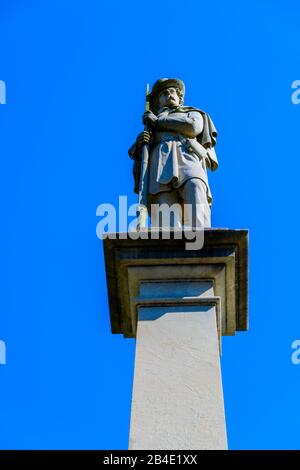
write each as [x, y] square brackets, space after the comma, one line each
[161, 85]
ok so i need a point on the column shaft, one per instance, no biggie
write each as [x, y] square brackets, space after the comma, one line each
[177, 400]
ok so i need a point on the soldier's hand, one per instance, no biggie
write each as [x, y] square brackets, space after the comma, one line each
[142, 139]
[149, 118]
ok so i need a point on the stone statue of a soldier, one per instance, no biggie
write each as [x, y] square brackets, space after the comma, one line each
[181, 142]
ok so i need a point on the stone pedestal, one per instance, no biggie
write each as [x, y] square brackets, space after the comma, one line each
[178, 303]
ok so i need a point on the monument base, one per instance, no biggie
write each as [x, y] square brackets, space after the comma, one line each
[178, 303]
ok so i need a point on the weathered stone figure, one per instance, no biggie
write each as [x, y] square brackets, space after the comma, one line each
[181, 142]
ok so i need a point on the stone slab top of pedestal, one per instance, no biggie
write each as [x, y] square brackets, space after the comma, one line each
[223, 261]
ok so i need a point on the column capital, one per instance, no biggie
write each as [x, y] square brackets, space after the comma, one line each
[222, 263]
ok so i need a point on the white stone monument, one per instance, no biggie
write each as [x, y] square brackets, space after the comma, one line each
[178, 303]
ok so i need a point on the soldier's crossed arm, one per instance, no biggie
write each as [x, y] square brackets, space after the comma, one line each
[188, 124]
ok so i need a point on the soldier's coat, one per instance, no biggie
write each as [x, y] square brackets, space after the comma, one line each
[171, 160]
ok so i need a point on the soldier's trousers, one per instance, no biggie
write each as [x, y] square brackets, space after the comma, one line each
[186, 205]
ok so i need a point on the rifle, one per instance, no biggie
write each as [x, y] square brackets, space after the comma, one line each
[142, 211]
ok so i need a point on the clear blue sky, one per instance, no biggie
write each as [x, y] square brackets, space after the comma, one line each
[75, 73]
